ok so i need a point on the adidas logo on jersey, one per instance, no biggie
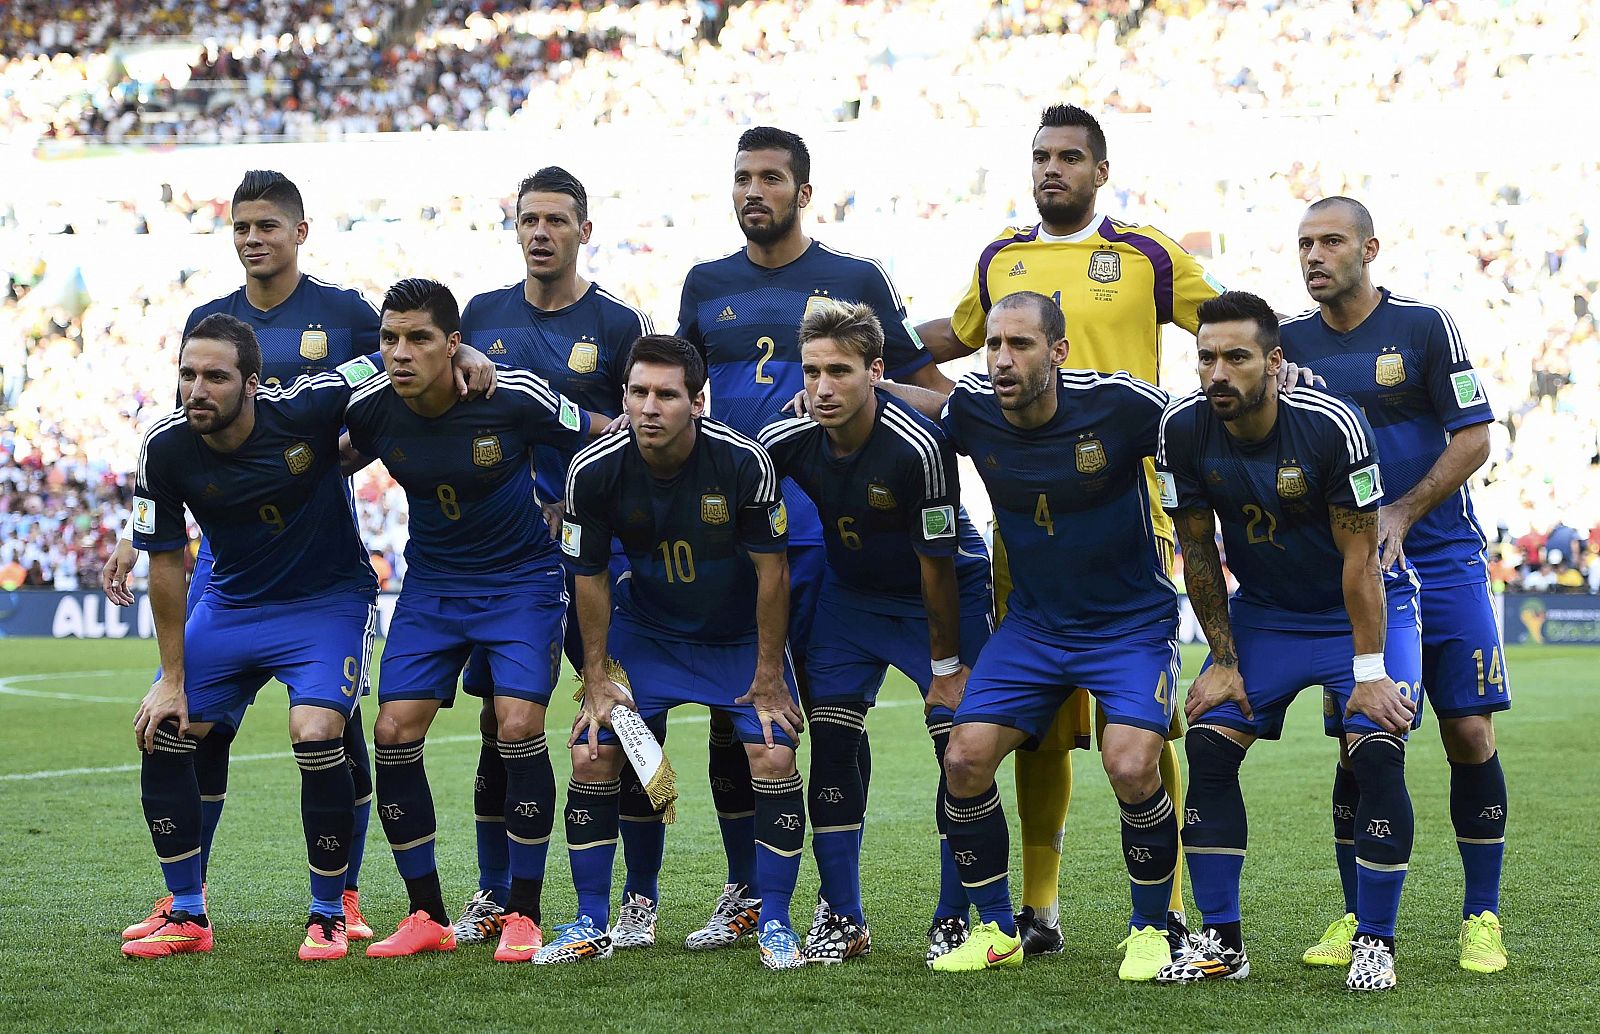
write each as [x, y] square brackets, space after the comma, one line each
[1018, 269]
[498, 348]
[726, 315]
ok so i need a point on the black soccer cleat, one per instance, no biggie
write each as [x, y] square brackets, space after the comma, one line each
[1038, 937]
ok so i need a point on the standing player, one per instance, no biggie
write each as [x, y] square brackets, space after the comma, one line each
[1295, 482]
[702, 614]
[481, 572]
[1092, 608]
[1118, 284]
[303, 326]
[1404, 363]
[290, 597]
[907, 579]
[743, 312]
[575, 335]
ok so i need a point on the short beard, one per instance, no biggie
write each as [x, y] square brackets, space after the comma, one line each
[1247, 404]
[1062, 213]
[1034, 390]
[223, 421]
[779, 229]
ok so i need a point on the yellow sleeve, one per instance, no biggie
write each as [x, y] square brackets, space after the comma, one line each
[969, 320]
[1191, 285]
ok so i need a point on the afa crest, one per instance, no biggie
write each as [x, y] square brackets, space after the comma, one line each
[298, 457]
[314, 345]
[584, 358]
[880, 498]
[486, 450]
[1391, 369]
[714, 509]
[1090, 456]
[1105, 267]
[814, 303]
[1291, 482]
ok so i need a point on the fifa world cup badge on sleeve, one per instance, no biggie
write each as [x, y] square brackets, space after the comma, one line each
[1169, 489]
[571, 416]
[939, 522]
[1366, 486]
[357, 370]
[571, 538]
[1468, 389]
[144, 515]
[778, 517]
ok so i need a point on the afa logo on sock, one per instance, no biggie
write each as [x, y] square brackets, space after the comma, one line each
[830, 795]
[392, 811]
[1379, 828]
[163, 827]
[788, 820]
[966, 857]
[1139, 854]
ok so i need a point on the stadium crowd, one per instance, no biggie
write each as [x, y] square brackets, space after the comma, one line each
[1508, 250]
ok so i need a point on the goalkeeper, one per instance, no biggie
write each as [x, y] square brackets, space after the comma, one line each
[702, 619]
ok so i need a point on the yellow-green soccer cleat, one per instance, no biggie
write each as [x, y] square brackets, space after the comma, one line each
[1334, 948]
[1483, 946]
[987, 947]
[1148, 954]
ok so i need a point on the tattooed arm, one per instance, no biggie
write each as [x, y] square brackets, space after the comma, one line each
[1208, 594]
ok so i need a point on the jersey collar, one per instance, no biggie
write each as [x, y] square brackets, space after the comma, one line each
[1084, 234]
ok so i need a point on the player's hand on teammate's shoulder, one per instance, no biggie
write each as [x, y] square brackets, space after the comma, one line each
[1382, 701]
[618, 423]
[115, 575]
[474, 373]
[947, 690]
[769, 695]
[800, 405]
[1290, 376]
[1214, 687]
[166, 700]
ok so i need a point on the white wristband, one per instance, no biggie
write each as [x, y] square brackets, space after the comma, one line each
[127, 527]
[1368, 667]
[946, 665]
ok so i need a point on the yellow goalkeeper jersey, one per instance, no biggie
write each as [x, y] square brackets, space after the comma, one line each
[1117, 283]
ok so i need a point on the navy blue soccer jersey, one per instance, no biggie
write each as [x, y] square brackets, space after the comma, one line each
[688, 538]
[274, 510]
[579, 350]
[897, 496]
[1408, 370]
[476, 526]
[745, 319]
[1272, 497]
[1073, 506]
[318, 327]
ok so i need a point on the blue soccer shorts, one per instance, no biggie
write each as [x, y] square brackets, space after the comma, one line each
[1021, 681]
[519, 635]
[1463, 661]
[318, 648]
[663, 673]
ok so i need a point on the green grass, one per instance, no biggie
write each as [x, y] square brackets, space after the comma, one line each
[78, 866]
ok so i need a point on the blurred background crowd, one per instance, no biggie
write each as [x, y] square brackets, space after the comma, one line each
[408, 124]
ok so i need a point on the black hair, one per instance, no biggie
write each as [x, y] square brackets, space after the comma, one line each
[1051, 319]
[553, 179]
[768, 138]
[219, 326]
[1363, 218]
[274, 188]
[1231, 306]
[1059, 115]
[418, 294]
[668, 350]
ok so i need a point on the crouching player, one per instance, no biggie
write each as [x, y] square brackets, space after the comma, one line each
[906, 585]
[481, 571]
[701, 619]
[1293, 478]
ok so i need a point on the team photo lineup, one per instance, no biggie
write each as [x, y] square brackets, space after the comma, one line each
[762, 513]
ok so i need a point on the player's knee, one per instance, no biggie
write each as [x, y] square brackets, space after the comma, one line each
[770, 763]
[1213, 757]
[602, 769]
[521, 724]
[308, 722]
[489, 722]
[392, 727]
[1469, 739]
[968, 765]
[1133, 777]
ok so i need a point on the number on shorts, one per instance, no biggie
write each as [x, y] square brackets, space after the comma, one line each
[352, 677]
[1495, 676]
[1161, 690]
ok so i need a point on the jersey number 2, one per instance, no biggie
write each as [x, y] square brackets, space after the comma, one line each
[767, 344]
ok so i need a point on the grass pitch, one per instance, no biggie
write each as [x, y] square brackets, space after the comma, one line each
[77, 867]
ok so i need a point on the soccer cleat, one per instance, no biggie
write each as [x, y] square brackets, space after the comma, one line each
[577, 941]
[480, 920]
[1205, 958]
[1177, 931]
[1483, 945]
[1148, 953]
[520, 938]
[355, 925]
[636, 923]
[1039, 936]
[416, 935]
[1334, 947]
[838, 939]
[326, 938]
[735, 917]
[177, 934]
[946, 935]
[819, 919]
[987, 947]
[1371, 965]
[158, 915]
[780, 946]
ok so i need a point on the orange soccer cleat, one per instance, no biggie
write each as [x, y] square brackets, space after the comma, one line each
[355, 925]
[177, 934]
[519, 939]
[158, 915]
[325, 939]
[416, 935]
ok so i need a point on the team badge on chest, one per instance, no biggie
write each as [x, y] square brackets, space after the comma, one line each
[714, 508]
[486, 450]
[1391, 369]
[314, 345]
[1105, 267]
[1291, 482]
[584, 358]
[298, 457]
[1090, 456]
[880, 498]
